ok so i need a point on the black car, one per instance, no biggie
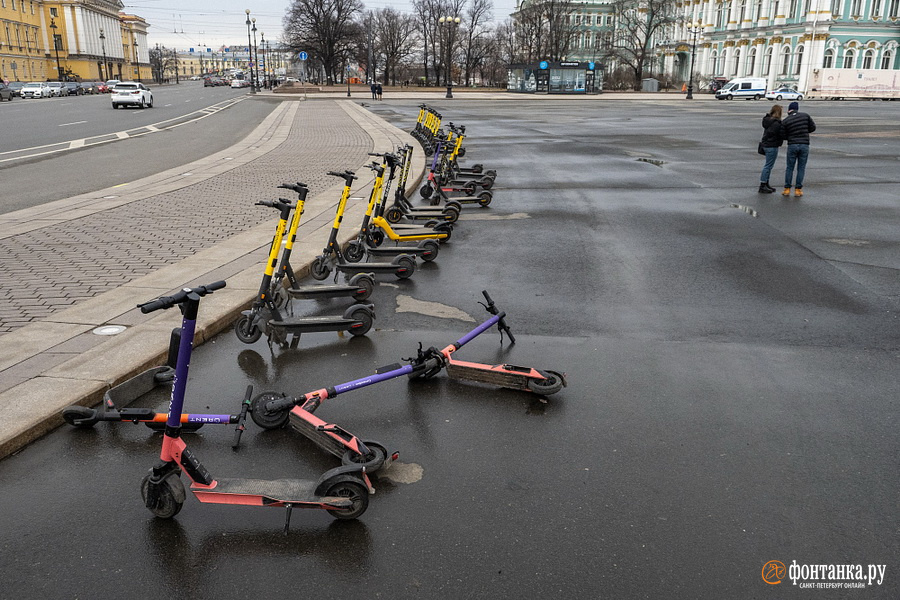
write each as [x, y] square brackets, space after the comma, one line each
[6, 92]
[74, 88]
[90, 87]
[16, 87]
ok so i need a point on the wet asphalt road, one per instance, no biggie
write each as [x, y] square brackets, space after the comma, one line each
[731, 398]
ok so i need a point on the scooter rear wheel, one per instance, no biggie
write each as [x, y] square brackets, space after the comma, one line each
[170, 496]
[246, 330]
[357, 493]
[364, 281]
[548, 386]
[264, 418]
[71, 414]
[409, 263]
[484, 198]
[451, 214]
[432, 248]
[365, 318]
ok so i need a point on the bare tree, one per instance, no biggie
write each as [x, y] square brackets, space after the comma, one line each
[546, 29]
[637, 24]
[325, 29]
[427, 13]
[395, 39]
[479, 13]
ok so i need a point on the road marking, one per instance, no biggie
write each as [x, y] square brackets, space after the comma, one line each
[72, 123]
[431, 309]
[122, 135]
[165, 105]
[489, 217]
[76, 144]
[120, 185]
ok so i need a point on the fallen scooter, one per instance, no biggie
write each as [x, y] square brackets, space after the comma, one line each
[342, 491]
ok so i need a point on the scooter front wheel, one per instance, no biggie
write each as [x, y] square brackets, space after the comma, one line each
[358, 495]
[355, 252]
[545, 387]
[246, 330]
[319, 269]
[425, 191]
[371, 461]
[80, 416]
[264, 418]
[169, 496]
[377, 238]
[393, 215]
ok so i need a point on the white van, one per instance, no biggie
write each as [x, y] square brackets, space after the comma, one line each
[743, 87]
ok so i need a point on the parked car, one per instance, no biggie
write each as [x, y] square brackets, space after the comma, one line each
[74, 88]
[6, 92]
[131, 93]
[58, 88]
[16, 87]
[36, 89]
[91, 87]
[110, 84]
[239, 83]
[784, 93]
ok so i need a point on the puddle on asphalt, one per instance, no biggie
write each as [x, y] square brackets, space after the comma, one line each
[488, 217]
[400, 472]
[848, 242]
[652, 161]
[750, 211]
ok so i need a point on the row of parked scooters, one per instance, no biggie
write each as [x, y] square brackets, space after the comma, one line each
[414, 232]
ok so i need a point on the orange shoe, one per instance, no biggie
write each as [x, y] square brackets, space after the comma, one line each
[786, 192]
[798, 192]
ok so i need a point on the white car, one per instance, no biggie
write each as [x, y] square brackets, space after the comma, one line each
[131, 93]
[239, 83]
[784, 93]
[36, 89]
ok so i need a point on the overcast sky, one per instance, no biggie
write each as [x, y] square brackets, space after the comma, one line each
[213, 23]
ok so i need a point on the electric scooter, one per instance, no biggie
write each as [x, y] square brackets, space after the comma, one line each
[265, 317]
[403, 210]
[477, 170]
[451, 173]
[116, 399]
[435, 192]
[539, 381]
[342, 491]
[402, 266]
[359, 287]
[368, 240]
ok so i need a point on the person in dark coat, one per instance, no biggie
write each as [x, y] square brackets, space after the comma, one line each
[374, 91]
[773, 137]
[378, 90]
[797, 127]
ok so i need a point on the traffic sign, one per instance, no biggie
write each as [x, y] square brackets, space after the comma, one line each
[303, 55]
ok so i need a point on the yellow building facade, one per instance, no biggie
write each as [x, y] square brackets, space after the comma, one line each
[71, 39]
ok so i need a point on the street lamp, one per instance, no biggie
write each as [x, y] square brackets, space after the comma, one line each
[262, 44]
[256, 56]
[250, 52]
[693, 28]
[59, 73]
[450, 23]
[103, 48]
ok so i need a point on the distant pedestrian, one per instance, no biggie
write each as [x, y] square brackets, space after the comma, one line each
[374, 91]
[797, 127]
[378, 90]
[773, 137]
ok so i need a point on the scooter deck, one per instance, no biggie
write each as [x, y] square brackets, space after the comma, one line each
[314, 324]
[299, 491]
[487, 374]
[131, 389]
[324, 291]
[367, 267]
[395, 250]
[319, 438]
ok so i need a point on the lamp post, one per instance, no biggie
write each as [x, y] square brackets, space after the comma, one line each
[103, 48]
[59, 73]
[256, 56]
[262, 44]
[250, 52]
[693, 28]
[450, 23]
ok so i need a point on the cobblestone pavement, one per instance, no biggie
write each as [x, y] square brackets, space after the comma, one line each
[54, 267]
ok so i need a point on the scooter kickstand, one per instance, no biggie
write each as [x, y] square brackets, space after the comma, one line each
[287, 517]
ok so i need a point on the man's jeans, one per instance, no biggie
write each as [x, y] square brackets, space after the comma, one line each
[796, 153]
[771, 155]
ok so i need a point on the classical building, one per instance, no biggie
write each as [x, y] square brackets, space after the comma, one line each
[75, 39]
[782, 40]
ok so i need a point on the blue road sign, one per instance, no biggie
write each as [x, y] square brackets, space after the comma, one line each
[303, 55]
[544, 64]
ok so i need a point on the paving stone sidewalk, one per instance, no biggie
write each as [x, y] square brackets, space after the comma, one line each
[70, 266]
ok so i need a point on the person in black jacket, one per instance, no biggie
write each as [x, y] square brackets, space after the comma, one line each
[797, 127]
[773, 137]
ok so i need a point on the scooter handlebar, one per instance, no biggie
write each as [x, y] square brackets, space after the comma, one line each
[501, 324]
[294, 186]
[169, 301]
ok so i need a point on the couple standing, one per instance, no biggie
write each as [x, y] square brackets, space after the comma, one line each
[795, 128]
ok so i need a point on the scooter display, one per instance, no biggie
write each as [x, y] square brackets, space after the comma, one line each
[264, 317]
[332, 258]
[342, 491]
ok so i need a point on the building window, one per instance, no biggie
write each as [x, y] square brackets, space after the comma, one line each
[876, 8]
[767, 62]
[799, 62]
[868, 59]
[759, 10]
[836, 7]
[855, 10]
[14, 4]
[737, 63]
[785, 60]
[828, 61]
[886, 60]
[792, 11]
[892, 12]
[751, 61]
[742, 10]
[53, 11]
[720, 16]
[849, 59]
